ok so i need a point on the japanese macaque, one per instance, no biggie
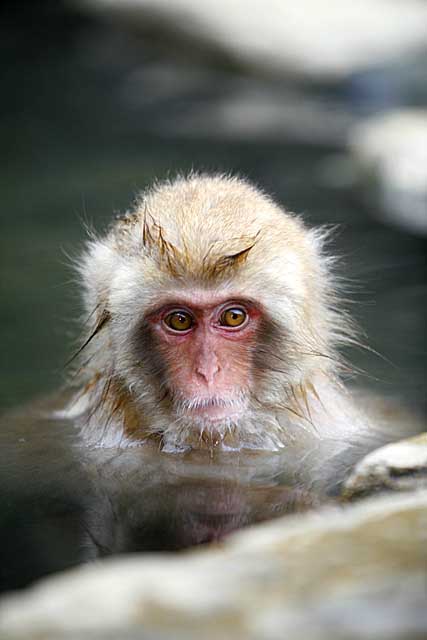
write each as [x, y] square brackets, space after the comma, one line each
[213, 321]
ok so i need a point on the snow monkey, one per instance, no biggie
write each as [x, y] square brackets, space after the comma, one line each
[213, 320]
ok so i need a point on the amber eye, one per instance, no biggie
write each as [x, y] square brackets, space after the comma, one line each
[179, 320]
[233, 317]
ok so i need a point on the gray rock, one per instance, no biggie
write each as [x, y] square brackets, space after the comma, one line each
[400, 466]
[353, 572]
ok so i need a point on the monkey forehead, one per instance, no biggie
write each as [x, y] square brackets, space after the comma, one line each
[209, 208]
[204, 226]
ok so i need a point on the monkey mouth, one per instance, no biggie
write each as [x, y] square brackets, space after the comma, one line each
[211, 409]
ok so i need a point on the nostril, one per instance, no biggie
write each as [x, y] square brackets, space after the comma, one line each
[208, 371]
[200, 374]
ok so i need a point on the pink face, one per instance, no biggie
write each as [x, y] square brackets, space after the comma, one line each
[207, 346]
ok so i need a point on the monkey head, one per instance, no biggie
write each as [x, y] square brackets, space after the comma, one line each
[212, 320]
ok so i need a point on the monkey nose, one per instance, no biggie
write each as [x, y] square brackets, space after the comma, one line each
[208, 369]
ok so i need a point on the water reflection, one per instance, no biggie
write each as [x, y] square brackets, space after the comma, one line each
[151, 501]
[62, 504]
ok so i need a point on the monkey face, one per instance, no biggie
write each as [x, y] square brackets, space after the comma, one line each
[206, 345]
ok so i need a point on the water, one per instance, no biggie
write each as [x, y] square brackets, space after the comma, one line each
[62, 503]
[76, 149]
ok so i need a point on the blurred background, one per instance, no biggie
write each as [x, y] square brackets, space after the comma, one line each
[322, 103]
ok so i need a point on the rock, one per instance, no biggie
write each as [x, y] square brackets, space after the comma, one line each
[400, 466]
[390, 154]
[354, 572]
[318, 40]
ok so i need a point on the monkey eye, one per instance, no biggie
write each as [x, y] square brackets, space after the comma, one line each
[179, 320]
[233, 317]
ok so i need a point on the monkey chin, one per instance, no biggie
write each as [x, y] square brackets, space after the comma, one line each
[227, 424]
[208, 422]
[231, 432]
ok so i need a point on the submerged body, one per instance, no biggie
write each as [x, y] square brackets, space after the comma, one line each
[213, 321]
